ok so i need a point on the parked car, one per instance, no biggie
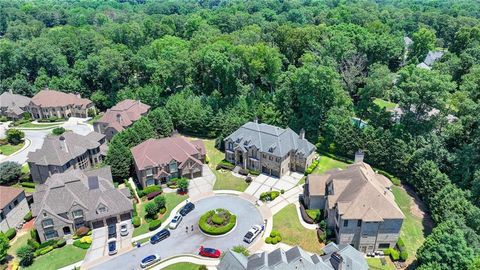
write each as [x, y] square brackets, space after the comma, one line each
[175, 221]
[124, 229]
[163, 234]
[209, 252]
[149, 260]
[112, 247]
[252, 233]
[187, 209]
[112, 231]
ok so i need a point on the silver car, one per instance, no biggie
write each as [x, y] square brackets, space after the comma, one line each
[124, 229]
[175, 221]
[252, 233]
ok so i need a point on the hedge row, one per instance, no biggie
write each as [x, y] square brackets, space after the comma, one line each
[136, 222]
[269, 195]
[312, 166]
[225, 165]
[27, 184]
[28, 217]
[154, 224]
[213, 230]
[11, 233]
[403, 249]
[143, 192]
[305, 216]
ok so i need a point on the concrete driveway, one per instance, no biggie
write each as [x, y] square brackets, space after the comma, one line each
[181, 242]
[36, 138]
[263, 183]
[202, 185]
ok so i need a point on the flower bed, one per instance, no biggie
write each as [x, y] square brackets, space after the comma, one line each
[217, 222]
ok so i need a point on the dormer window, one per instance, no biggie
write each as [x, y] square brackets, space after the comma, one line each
[102, 209]
[77, 214]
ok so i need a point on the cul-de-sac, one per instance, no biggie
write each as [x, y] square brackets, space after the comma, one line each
[239, 134]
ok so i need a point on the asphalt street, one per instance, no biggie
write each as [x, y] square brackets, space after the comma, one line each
[181, 242]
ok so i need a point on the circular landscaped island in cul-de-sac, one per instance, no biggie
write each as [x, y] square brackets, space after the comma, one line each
[217, 222]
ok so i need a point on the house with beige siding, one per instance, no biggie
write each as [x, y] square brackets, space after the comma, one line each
[51, 103]
[157, 160]
[358, 205]
[74, 199]
[269, 149]
[13, 207]
[120, 117]
[66, 152]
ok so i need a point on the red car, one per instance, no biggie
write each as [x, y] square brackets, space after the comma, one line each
[209, 252]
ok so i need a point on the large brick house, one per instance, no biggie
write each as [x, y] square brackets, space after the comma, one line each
[269, 149]
[358, 205]
[119, 117]
[66, 152]
[70, 200]
[12, 105]
[50, 103]
[157, 160]
[13, 207]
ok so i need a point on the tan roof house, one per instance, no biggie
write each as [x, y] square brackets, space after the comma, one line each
[12, 105]
[157, 160]
[359, 206]
[70, 200]
[120, 116]
[51, 103]
[13, 207]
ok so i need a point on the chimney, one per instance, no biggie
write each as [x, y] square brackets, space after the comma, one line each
[10, 91]
[336, 260]
[93, 182]
[359, 155]
[78, 95]
[63, 143]
[255, 120]
[119, 118]
[302, 134]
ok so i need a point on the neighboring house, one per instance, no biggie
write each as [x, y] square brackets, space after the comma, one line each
[66, 152]
[50, 103]
[157, 160]
[269, 149]
[397, 114]
[359, 206]
[430, 59]
[336, 257]
[70, 200]
[13, 207]
[12, 105]
[120, 117]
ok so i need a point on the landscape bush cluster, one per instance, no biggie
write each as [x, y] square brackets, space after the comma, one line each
[269, 195]
[147, 190]
[217, 222]
[312, 166]
[274, 238]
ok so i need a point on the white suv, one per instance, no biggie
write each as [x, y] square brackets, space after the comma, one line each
[175, 221]
[252, 233]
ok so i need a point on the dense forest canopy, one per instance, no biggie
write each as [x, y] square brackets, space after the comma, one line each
[210, 66]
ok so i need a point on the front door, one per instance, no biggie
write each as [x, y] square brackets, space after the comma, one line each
[66, 230]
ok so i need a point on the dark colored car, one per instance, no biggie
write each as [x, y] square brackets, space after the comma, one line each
[112, 247]
[187, 209]
[209, 252]
[149, 260]
[163, 234]
[112, 231]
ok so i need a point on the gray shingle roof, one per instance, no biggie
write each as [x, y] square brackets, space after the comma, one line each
[271, 139]
[62, 190]
[58, 150]
[13, 102]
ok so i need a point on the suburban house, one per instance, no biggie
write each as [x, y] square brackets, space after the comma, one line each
[120, 116]
[13, 207]
[336, 257]
[430, 59]
[157, 160]
[66, 152]
[269, 149]
[12, 105]
[74, 199]
[50, 103]
[358, 206]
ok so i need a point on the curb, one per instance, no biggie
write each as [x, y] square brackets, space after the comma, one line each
[28, 142]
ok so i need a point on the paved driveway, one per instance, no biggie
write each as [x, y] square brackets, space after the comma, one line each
[263, 183]
[181, 242]
[202, 185]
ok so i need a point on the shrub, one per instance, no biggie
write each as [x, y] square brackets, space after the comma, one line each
[242, 250]
[43, 251]
[151, 208]
[134, 206]
[11, 233]
[81, 245]
[28, 184]
[387, 251]
[82, 231]
[274, 233]
[268, 240]
[10, 171]
[312, 167]
[148, 190]
[136, 221]
[403, 255]
[60, 243]
[243, 171]
[207, 159]
[217, 219]
[269, 195]
[58, 131]
[393, 253]
[34, 235]
[183, 184]
[47, 243]
[28, 217]
[254, 172]
[248, 179]
[152, 195]
[225, 165]
[15, 136]
[215, 229]
[33, 243]
[160, 201]
[282, 191]
[86, 240]
[278, 238]
[154, 224]
[26, 255]
[274, 237]
[274, 240]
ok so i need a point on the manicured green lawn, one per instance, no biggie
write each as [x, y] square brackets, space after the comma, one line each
[413, 232]
[225, 179]
[182, 266]
[26, 189]
[292, 232]
[327, 163]
[58, 258]
[376, 264]
[385, 104]
[8, 149]
[42, 125]
[17, 242]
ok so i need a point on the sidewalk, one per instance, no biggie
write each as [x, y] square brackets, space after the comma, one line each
[187, 258]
